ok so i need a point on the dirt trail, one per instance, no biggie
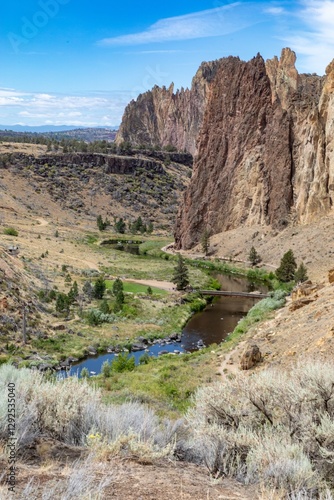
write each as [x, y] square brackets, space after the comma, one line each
[42, 221]
[164, 285]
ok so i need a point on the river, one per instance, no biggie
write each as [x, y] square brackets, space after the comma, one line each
[210, 326]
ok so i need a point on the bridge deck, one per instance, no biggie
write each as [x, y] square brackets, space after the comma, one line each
[234, 294]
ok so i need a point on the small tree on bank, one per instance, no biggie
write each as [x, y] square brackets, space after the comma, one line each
[301, 273]
[205, 241]
[117, 286]
[181, 275]
[254, 258]
[287, 269]
[99, 288]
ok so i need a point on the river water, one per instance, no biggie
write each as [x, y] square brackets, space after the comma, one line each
[210, 326]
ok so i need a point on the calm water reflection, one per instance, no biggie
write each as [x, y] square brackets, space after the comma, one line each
[220, 318]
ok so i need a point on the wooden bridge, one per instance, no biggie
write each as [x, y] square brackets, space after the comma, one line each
[255, 295]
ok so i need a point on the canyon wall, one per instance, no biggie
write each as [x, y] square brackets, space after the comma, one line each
[161, 117]
[263, 137]
[265, 150]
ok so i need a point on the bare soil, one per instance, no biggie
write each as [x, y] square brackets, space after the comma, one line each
[131, 479]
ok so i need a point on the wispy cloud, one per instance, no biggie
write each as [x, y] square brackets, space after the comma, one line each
[35, 108]
[207, 23]
[314, 40]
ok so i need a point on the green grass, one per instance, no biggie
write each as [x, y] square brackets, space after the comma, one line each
[166, 383]
[137, 288]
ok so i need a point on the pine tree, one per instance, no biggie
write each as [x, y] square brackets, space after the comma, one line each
[104, 307]
[99, 288]
[117, 286]
[99, 222]
[286, 271]
[181, 276]
[63, 303]
[301, 273]
[119, 301]
[254, 258]
[73, 293]
[205, 241]
[120, 226]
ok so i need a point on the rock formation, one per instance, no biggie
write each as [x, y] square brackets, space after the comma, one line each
[265, 150]
[251, 357]
[161, 117]
[264, 138]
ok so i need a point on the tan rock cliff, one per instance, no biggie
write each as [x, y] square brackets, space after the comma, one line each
[161, 117]
[264, 138]
[265, 150]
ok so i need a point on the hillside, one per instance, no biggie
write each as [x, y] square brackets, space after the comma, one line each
[111, 185]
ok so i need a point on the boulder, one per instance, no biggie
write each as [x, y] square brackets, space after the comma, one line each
[91, 350]
[298, 304]
[304, 290]
[138, 346]
[331, 276]
[251, 357]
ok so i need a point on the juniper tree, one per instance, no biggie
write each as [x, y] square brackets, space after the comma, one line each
[301, 273]
[181, 275]
[99, 288]
[254, 258]
[205, 241]
[286, 271]
[117, 286]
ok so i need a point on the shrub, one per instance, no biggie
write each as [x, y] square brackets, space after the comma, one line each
[84, 372]
[95, 317]
[123, 363]
[106, 369]
[10, 231]
[266, 428]
[70, 410]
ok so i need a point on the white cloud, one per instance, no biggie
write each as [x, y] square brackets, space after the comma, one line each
[207, 23]
[275, 11]
[94, 109]
[314, 40]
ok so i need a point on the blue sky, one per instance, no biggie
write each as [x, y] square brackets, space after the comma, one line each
[79, 62]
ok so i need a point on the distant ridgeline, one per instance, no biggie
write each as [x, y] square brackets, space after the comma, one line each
[80, 134]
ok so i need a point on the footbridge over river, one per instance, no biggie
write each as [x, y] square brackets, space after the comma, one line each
[253, 295]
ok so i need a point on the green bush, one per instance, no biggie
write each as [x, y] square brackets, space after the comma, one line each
[95, 317]
[106, 369]
[123, 363]
[10, 231]
[197, 305]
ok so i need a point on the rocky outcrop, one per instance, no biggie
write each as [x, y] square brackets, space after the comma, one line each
[331, 276]
[251, 357]
[265, 150]
[305, 290]
[161, 117]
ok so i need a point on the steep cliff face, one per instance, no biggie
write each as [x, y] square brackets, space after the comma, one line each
[265, 149]
[161, 117]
